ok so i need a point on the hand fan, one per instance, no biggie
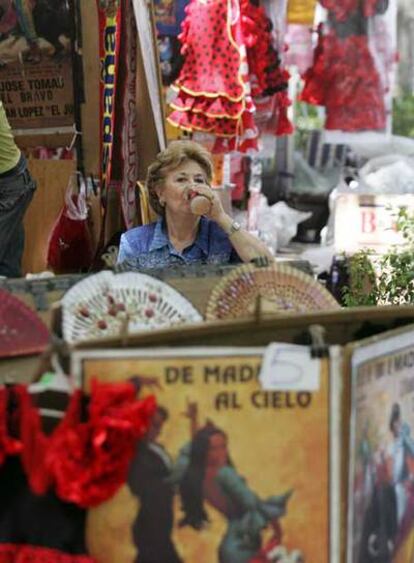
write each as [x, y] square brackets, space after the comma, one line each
[105, 304]
[281, 288]
[22, 332]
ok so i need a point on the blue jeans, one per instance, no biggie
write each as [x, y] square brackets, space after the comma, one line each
[16, 192]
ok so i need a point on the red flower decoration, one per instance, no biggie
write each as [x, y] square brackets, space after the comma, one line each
[12, 553]
[86, 461]
[89, 460]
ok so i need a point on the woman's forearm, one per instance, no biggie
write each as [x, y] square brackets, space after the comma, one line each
[245, 244]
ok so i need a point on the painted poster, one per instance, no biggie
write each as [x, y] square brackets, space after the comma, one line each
[381, 480]
[227, 473]
[36, 63]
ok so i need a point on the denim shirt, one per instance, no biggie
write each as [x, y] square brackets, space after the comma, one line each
[149, 246]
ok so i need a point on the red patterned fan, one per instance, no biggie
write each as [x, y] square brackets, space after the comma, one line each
[22, 332]
[281, 289]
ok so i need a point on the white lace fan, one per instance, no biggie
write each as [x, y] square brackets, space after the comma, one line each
[106, 304]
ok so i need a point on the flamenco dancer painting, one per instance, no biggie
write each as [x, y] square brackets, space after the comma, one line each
[214, 484]
[205, 474]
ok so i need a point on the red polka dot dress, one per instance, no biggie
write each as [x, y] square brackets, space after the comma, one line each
[345, 77]
[229, 60]
[213, 89]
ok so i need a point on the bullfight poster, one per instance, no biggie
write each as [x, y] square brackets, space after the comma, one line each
[227, 472]
[36, 83]
[381, 476]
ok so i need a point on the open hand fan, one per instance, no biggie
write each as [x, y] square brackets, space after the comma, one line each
[106, 304]
[22, 332]
[281, 288]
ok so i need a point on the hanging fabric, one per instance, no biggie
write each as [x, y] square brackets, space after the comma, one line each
[230, 62]
[85, 461]
[213, 89]
[352, 66]
[49, 481]
[124, 157]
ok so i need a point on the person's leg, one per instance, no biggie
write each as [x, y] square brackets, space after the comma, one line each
[10, 263]
[15, 196]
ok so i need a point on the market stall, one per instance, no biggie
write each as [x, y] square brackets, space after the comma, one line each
[173, 410]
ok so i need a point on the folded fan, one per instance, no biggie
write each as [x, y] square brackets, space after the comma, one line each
[22, 332]
[280, 287]
[107, 304]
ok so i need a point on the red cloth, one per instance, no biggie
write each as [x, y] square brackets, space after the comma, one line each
[345, 80]
[86, 461]
[229, 58]
[8, 445]
[265, 72]
[11, 553]
[314, 89]
[342, 9]
[213, 90]
[70, 244]
[212, 55]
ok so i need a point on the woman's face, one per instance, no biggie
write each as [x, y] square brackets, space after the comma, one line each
[174, 189]
[217, 454]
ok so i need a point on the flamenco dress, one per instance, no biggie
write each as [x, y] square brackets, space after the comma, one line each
[344, 77]
[213, 89]
[269, 79]
[47, 482]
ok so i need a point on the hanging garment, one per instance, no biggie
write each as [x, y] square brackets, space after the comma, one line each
[265, 72]
[229, 60]
[47, 482]
[33, 529]
[213, 89]
[342, 10]
[344, 78]
[85, 459]
[37, 529]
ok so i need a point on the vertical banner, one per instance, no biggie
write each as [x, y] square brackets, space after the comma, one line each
[381, 475]
[36, 84]
[109, 43]
[227, 472]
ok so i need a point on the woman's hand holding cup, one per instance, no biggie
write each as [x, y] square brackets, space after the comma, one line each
[203, 201]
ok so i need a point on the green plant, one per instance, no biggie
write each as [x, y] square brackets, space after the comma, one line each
[387, 279]
[362, 285]
[403, 115]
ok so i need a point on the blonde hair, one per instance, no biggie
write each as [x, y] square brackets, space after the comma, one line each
[171, 158]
